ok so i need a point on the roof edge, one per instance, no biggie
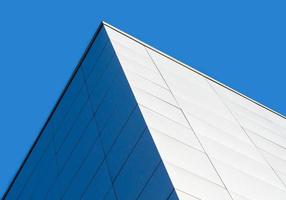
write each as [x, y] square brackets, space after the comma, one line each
[192, 69]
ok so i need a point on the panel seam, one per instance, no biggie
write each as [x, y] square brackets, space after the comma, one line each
[101, 143]
[188, 122]
[243, 129]
[192, 69]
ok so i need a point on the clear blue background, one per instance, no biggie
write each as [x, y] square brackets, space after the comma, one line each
[240, 43]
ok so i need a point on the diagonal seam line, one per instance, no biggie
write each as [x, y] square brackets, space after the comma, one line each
[156, 97]
[194, 174]
[33, 171]
[189, 123]
[78, 169]
[188, 194]
[188, 67]
[85, 104]
[149, 178]
[72, 126]
[104, 153]
[81, 88]
[92, 118]
[107, 155]
[129, 154]
[96, 60]
[134, 73]
[243, 129]
[55, 155]
[164, 116]
[177, 140]
[172, 191]
[49, 143]
[69, 157]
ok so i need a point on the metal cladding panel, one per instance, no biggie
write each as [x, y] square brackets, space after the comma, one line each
[134, 123]
[214, 142]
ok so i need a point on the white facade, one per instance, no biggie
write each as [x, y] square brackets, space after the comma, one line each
[215, 143]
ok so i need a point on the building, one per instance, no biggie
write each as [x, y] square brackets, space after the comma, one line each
[134, 123]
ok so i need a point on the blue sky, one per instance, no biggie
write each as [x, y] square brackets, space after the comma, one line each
[240, 43]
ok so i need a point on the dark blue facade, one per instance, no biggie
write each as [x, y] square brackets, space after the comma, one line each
[95, 144]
